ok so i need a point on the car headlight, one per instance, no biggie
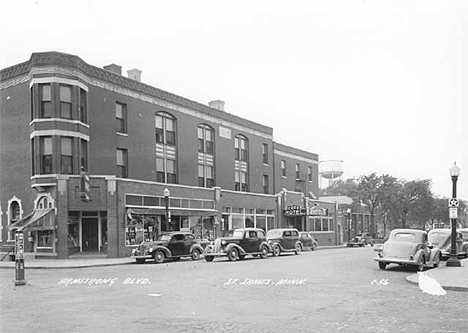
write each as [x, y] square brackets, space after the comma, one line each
[150, 250]
[223, 242]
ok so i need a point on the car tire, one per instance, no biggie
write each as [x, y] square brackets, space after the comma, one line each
[312, 248]
[209, 258]
[196, 254]
[382, 265]
[298, 249]
[159, 257]
[255, 255]
[264, 252]
[233, 254]
[421, 264]
[140, 260]
[276, 251]
[436, 262]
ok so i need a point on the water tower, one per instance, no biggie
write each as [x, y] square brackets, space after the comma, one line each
[330, 170]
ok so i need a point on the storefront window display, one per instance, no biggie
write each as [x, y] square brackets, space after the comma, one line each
[141, 228]
[45, 238]
[73, 232]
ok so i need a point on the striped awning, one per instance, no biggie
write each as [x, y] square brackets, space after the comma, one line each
[40, 219]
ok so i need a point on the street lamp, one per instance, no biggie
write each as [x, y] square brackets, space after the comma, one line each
[453, 260]
[348, 221]
[167, 193]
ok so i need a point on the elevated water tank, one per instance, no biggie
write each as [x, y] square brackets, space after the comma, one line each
[331, 170]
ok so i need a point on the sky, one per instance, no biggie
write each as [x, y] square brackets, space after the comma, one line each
[380, 85]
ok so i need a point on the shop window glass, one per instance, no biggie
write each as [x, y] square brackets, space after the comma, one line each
[45, 238]
[237, 221]
[249, 221]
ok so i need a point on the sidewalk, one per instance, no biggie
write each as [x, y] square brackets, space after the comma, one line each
[68, 263]
[451, 278]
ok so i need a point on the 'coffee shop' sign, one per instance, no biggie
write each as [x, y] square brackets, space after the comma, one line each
[300, 211]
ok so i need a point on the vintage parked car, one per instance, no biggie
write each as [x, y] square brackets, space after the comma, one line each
[238, 244]
[172, 245]
[361, 240]
[408, 247]
[464, 232]
[442, 238]
[284, 240]
[308, 240]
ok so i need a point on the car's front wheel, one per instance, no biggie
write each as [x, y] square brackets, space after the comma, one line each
[159, 257]
[264, 252]
[298, 249]
[233, 254]
[140, 260]
[196, 254]
[382, 265]
[276, 251]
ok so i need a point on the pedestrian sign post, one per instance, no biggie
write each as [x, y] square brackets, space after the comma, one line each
[453, 212]
[19, 258]
[453, 202]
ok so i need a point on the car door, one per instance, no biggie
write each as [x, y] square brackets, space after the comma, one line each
[294, 238]
[188, 242]
[286, 240]
[176, 245]
[250, 242]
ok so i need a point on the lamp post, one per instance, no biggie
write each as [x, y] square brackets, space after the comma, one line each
[453, 261]
[167, 193]
[348, 222]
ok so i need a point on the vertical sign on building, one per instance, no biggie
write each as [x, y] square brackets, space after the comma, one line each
[85, 187]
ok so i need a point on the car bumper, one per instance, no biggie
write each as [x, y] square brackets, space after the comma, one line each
[387, 260]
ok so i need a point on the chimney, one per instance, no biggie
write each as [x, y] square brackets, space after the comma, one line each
[134, 74]
[217, 105]
[114, 68]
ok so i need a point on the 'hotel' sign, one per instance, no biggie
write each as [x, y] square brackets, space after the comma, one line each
[300, 211]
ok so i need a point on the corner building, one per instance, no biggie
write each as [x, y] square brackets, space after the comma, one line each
[155, 161]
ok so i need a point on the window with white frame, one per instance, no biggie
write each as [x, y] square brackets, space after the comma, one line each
[66, 156]
[121, 117]
[122, 163]
[166, 170]
[46, 155]
[309, 173]
[65, 101]
[205, 139]
[45, 95]
[205, 176]
[298, 171]
[165, 128]
[283, 168]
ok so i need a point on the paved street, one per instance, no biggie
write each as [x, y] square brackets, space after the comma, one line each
[336, 290]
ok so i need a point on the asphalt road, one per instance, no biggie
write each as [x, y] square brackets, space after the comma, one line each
[336, 290]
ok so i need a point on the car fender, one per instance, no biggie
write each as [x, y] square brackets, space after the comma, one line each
[196, 246]
[300, 244]
[239, 249]
[166, 251]
[435, 253]
[419, 253]
[270, 248]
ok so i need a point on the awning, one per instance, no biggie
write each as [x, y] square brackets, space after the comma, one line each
[174, 212]
[40, 219]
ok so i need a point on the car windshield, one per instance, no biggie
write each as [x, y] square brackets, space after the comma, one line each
[274, 233]
[236, 233]
[405, 237]
[164, 238]
[465, 234]
[437, 238]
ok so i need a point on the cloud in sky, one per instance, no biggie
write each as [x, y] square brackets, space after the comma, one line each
[380, 85]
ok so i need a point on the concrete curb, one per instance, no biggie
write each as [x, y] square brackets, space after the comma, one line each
[70, 266]
[414, 279]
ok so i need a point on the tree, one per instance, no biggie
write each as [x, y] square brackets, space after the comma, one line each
[339, 188]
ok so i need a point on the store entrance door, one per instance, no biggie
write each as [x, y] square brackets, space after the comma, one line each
[89, 234]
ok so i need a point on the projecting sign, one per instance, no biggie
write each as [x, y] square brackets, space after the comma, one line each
[453, 212]
[311, 211]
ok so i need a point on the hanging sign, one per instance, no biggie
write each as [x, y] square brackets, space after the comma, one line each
[453, 212]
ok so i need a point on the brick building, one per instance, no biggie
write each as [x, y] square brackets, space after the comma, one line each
[60, 114]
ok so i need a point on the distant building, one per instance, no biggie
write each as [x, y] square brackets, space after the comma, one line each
[59, 114]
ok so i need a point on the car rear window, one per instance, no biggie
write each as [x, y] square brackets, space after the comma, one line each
[402, 235]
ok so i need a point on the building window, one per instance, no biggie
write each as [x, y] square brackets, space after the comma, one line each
[283, 168]
[298, 171]
[309, 174]
[166, 170]
[45, 238]
[46, 155]
[205, 139]
[265, 184]
[205, 176]
[84, 154]
[66, 156]
[33, 166]
[121, 117]
[241, 148]
[32, 102]
[265, 153]
[241, 181]
[82, 107]
[165, 129]
[46, 101]
[122, 163]
[65, 102]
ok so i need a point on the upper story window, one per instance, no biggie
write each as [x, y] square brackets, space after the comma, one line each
[84, 154]
[266, 189]
[165, 128]
[241, 148]
[65, 102]
[122, 163]
[66, 157]
[83, 106]
[46, 155]
[205, 176]
[205, 139]
[121, 117]
[166, 171]
[283, 168]
[265, 153]
[309, 174]
[241, 179]
[45, 95]
[298, 171]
